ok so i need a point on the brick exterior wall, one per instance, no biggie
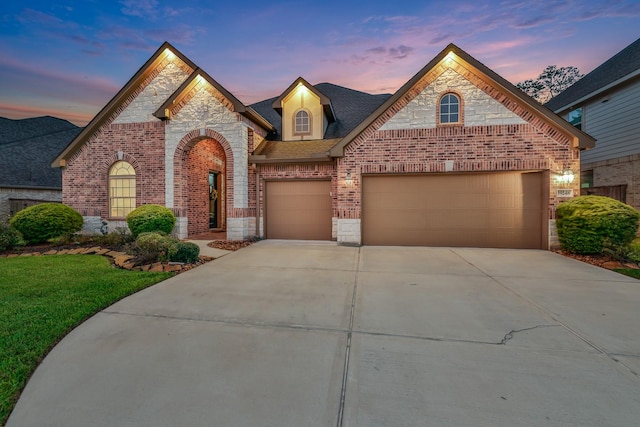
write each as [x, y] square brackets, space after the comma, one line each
[8, 193]
[472, 149]
[207, 155]
[85, 179]
[619, 171]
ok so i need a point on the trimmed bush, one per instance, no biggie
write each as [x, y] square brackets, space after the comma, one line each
[186, 252]
[45, 221]
[9, 237]
[152, 247]
[591, 224]
[150, 218]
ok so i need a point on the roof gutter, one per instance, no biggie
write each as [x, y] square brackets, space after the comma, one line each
[263, 160]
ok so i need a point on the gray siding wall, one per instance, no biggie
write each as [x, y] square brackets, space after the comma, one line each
[615, 124]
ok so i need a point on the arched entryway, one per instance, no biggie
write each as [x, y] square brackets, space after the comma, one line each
[202, 183]
[205, 183]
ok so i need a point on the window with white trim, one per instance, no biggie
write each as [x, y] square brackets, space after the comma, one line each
[302, 122]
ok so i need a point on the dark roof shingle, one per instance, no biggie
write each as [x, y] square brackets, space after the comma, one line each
[620, 65]
[351, 107]
[27, 148]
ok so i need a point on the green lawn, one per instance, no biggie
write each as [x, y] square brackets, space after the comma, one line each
[629, 272]
[43, 298]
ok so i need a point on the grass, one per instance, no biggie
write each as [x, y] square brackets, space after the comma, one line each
[629, 272]
[43, 298]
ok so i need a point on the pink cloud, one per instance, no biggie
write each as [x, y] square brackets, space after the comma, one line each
[24, 112]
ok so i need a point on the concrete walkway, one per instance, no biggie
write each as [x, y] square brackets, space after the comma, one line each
[315, 334]
[208, 251]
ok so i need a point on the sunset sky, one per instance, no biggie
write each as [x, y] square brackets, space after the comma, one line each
[69, 58]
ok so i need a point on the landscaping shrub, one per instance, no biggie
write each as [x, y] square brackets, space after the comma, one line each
[9, 237]
[45, 221]
[149, 218]
[152, 247]
[591, 224]
[186, 252]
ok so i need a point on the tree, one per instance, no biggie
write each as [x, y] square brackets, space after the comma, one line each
[550, 82]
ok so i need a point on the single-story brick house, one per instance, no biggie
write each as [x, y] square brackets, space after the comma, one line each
[456, 157]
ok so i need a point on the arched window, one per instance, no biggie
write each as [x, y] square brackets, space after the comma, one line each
[302, 122]
[122, 189]
[450, 108]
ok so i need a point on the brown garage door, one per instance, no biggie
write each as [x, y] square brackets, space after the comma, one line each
[298, 210]
[493, 210]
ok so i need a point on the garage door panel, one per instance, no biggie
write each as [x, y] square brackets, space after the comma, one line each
[483, 210]
[299, 210]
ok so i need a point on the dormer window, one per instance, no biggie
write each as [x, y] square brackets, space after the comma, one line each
[302, 123]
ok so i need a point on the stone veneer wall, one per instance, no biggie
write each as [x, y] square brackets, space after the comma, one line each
[479, 109]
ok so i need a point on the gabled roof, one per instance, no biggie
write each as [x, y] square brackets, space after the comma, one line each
[119, 98]
[325, 101]
[27, 148]
[164, 112]
[164, 51]
[580, 139]
[617, 70]
[350, 107]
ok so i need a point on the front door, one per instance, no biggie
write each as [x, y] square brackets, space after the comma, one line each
[213, 200]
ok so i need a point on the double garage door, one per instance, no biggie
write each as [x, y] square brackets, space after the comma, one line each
[494, 210]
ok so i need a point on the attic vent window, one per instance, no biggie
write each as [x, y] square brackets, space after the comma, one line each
[302, 123]
[449, 107]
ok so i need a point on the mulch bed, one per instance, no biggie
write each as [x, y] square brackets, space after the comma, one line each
[230, 245]
[603, 261]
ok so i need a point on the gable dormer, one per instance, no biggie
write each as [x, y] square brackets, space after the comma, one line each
[305, 112]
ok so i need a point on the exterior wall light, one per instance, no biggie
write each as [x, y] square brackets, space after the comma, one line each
[348, 180]
[566, 177]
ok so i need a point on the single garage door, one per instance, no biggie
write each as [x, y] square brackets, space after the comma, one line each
[298, 210]
[491, 210]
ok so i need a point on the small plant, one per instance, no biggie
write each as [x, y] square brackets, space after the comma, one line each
[186, 252]
[45, 221]
[591, 224]
[632, 252]
[119, 237]
[150, 218]
[152, 247]
[9, 237]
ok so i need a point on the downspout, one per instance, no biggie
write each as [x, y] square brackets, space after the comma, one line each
[257, 200]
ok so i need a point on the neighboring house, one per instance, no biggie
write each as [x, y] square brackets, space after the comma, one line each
[456, 157]
[27, 148]
[606, 104]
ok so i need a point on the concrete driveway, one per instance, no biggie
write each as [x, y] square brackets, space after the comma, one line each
[315, 334]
